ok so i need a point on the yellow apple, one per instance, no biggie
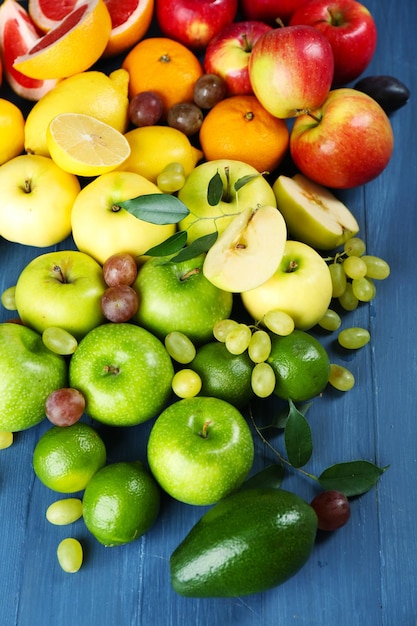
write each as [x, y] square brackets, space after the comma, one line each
[100, 227]
[36, 201]
[301, 287]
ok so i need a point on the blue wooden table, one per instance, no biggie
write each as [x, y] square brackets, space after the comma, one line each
[365, 573]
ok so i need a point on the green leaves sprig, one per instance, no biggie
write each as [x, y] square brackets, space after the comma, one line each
[353, 478]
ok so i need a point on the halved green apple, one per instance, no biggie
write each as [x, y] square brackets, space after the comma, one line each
[249, 250]
[313, 214]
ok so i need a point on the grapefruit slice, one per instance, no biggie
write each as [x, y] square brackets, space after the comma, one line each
[130, 22]
[17, 35]
[70, 48]
[48, 14]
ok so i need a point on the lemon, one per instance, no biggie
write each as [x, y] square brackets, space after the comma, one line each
[82, 145]
[12, 124]
[92, 93]
[152, 148]
[65, 459]
[301, 365]
[120, 503]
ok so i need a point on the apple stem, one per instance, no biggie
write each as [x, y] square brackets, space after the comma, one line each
[279, 22]
[204, 431]
[193, 272]
[246, 46]
[115, 208]
[314, 117]
[57, 270]
[27, 187]
[291, 267]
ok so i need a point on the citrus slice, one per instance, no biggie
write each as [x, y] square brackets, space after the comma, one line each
[72, 47]
[17, 35]
[47, 14]
[130, 21]
[82, 145]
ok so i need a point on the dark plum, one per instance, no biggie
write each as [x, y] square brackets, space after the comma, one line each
[390, 93]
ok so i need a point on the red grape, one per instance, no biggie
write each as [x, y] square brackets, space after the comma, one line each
[186, 117]
[332, 509]
[145, 108]
[209, 89]
[119, 303]
[64, 406]
[120, 269]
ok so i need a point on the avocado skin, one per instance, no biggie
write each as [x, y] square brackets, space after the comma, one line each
[249, 542]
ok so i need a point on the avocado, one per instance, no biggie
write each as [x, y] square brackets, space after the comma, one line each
[250, 541]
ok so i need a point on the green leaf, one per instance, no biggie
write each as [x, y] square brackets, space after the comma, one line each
[156, 208]
[197, 247]
[215, 190]
[244, 181]
[352, 478]
[270, 477]
[297, 436]
[170, 246]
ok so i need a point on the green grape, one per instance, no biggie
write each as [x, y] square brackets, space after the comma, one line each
[172, 178]
[279, 322]
[364, 289]
[8, 298]
[259, 347]
[222, 328]
[59, 340]
[330, 321]
[65, 511]
[180, 347]
[354, 337]
[354, 247]
[70, 555]
[354, 267]
[338, 276]
[237, 340]
[6, 439]
[263, 380]
[186, 383]
[376, 267]
[340, 377]
[348, 300]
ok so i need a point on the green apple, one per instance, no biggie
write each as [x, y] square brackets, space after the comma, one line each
[200, 449]
[205, 218]
[301, 287]
[313, 213]
[36, 201]
[124, 372]
[62, 289]
[248, 251]
[29, 372]
[101, 228]
[177, 296]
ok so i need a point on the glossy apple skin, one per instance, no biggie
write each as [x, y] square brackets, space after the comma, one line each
[197, 469]
[227, 54]
[291, 70]
[349, 144]
[194, 23]
[269, 10]
[350, 29]
[70, 301]
[304, 292]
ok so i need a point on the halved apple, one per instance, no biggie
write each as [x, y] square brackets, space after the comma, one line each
[313, 214]
[249, 250]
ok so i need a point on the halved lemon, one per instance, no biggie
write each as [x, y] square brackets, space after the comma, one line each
[85, 146]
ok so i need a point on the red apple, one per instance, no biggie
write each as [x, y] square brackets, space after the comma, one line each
[291, 70]
[350, 29]
[269, 10]
[194, 23]
[227, 54]
[345, 143]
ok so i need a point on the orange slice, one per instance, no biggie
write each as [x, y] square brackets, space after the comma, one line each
[82, 145]
[70, 48]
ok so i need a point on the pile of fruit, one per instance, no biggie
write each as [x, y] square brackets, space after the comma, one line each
[200, 270]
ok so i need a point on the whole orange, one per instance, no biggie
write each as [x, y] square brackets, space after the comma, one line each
[240, 128]
[165, 66]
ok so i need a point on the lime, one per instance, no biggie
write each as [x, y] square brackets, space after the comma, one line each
[224, 375]
[65, 459]
[121, 502]
[301, 365]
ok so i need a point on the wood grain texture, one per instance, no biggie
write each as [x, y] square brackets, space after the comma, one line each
[365, 573]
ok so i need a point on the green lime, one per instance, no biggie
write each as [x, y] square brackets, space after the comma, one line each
[65, 459]
[120, 503]
[301, 365]
[224, 375]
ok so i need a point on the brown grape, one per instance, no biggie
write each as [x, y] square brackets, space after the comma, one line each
[209, 89]
[120, 269]
[64, 406]
[119, 303]
[186, 117]
[145, 108]
[332, 509]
